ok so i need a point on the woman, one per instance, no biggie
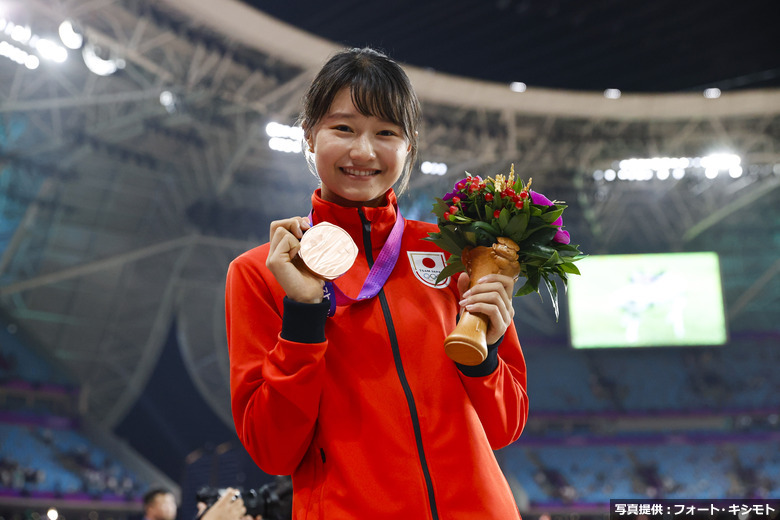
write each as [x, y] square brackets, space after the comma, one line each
[363, 408]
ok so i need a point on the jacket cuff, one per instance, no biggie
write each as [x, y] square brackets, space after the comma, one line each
[485, 368]
[304, 322]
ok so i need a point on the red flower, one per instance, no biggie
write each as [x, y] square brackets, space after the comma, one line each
[496, 213]
[455, 200]
[488, 197]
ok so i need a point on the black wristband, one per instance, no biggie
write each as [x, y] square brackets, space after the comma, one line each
[485, 368]
[304, 322]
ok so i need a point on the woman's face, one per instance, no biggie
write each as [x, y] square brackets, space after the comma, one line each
[358, 157]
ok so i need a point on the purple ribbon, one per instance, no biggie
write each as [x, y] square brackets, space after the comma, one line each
[377, 276]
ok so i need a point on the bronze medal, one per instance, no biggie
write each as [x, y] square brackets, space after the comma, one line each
[327, 250]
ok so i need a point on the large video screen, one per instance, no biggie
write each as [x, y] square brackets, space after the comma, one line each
[651, 300]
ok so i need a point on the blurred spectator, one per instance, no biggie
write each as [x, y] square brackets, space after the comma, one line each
[159, 504]
[228, 507]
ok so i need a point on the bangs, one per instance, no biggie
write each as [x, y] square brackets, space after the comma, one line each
[378, 87]
[381, 100]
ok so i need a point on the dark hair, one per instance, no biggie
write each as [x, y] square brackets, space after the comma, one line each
[379, 88]
[152, 494]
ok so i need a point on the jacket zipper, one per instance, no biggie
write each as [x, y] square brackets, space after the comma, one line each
[400, 370]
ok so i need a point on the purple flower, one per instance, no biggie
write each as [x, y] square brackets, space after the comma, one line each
[561, 236]
[455, 189]
[451, 194]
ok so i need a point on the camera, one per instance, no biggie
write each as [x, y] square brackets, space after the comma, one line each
[273, 501]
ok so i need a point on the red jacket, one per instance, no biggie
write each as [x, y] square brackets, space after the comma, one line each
[364, 409]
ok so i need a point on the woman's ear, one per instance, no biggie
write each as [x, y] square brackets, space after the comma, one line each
[416, 136]
[309, 138]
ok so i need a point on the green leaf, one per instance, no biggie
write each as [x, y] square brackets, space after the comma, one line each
[439, 208]
[516, 226]
[537, 250]
[567, 250]
[552, 216]
[569, 268]
[565, 281]
[484, 238]
[540, 236]
[552, 288]
[552, 261]
[451, 233]
[450, 269]
[527, 288]
[487, 227]
[532, 283]
[447, 245]
[460, 219]
[503, 218]
[534, 225]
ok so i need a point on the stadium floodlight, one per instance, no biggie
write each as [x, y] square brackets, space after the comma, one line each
[517, 86]
[664, 168]
[98, 65]
[49, 50]
[18, 55]
[433, 168]
[274, 129]
[720, 161]
[168, 100]
[281, 144]
[712, 93]
[284, 138]
[23, 35]
[71, 38]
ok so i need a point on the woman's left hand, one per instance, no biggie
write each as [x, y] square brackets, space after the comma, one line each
[491, 296]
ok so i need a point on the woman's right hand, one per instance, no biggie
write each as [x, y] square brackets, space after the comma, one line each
[298, 284]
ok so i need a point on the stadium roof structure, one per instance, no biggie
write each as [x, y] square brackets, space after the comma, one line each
[134, 169]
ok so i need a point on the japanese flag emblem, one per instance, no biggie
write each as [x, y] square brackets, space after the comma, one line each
[426, 266]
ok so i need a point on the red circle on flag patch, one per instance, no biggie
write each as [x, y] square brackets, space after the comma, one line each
[430, 263]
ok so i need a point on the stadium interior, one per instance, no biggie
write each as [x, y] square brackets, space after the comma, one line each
[144, 144]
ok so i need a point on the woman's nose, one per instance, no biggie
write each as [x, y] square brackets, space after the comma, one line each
[362, 148]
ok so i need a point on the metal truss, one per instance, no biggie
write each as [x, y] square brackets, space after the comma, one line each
[124, 209]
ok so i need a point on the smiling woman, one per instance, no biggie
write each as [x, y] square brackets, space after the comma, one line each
[357, 157]
[353, 395]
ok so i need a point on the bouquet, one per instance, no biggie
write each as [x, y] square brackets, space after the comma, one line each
[519, 229]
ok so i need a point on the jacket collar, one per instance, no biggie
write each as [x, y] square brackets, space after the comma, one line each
[382, 218]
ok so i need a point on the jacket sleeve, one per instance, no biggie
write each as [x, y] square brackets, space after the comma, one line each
[276, 366]
[498, 390]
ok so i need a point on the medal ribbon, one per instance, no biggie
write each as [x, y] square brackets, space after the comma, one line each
[378, 274]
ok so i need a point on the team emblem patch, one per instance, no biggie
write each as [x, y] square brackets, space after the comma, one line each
[426, 266]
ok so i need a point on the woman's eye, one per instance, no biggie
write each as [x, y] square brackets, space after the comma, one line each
[342, 128]
[388, 132]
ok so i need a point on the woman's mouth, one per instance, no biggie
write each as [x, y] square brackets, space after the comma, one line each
[359, 172]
